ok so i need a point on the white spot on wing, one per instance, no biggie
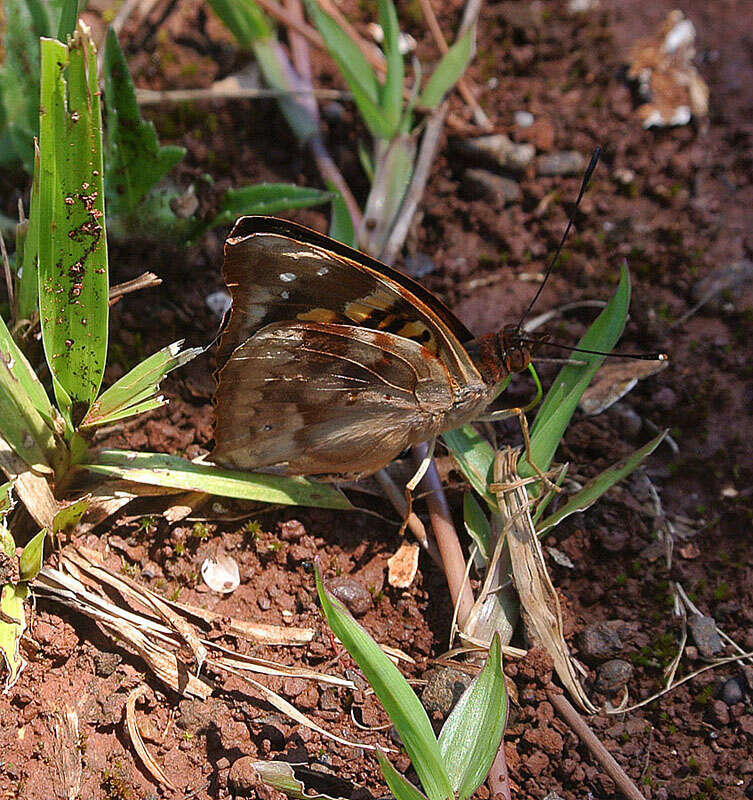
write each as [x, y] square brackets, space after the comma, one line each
[287, 277]
[285, 294]
[322, 271]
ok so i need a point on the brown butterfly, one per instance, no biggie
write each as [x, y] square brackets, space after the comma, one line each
[333, 363]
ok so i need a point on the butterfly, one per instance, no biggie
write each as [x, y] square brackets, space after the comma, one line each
[333, 363]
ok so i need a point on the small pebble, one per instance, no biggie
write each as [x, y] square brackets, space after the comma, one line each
[352, 593]
[598, 641]
[719, 713]
[218, 303]
[419, 264]
[564, 162]
[704, 633]
[243, 779]
[479, 184]
[444, 687]
[613, 675]
[497, 150]
[523, 119]
[732, 691]
[106, 663]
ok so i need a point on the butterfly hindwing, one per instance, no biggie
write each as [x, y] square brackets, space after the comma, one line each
[321, 398]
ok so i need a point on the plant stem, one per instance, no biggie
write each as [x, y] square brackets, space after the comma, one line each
[588, 737]
[447, 538]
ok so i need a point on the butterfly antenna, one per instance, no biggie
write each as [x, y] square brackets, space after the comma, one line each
[583, 186]
[638, 356]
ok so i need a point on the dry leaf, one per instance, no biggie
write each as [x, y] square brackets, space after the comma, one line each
[402, 566]
[33, 489]
[152, 767]
[540, 605]
[614, 381]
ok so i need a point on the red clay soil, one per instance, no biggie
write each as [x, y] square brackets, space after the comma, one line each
[687, 212]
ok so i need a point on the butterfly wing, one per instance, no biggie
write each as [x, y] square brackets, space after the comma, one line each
[277, 270]
[320, 398]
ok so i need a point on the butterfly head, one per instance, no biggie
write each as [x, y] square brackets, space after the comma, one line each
[496, 355]
[515, 353]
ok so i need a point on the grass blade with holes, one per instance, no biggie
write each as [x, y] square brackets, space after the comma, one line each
[470, 737]
[157, 469]
[73, 282]
[399, 700]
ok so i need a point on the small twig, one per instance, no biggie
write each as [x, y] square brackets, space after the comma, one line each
[147, 280]
[447, 538]
[463, 85]
[150, 97]
[622, 780]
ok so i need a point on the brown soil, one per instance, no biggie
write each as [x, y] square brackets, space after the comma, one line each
[689, 212]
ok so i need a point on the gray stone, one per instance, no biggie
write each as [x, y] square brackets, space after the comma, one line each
[479, 184]
[444, 687]
[419, 264]
[732, 691]
[523, 119]
[106, 663]
[598, 641]
[564, 162]
[352, 593]
[716, 288]
[719, 713]
[196, 716]
[613, 675]
[704, 633]
[497, 150]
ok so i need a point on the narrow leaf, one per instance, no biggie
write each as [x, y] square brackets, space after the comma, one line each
[73, 282]
[68, 17]
[128, 394]
[32, 557]
[399, 700]
[341, 225]
[562, 399]
[244, 19]
[472, 734]
[400, 787]
[12, 626]
[449, 70]
[174, 472]
[68, 516]
[136, 161]
[356, 71]
[474, 457]
[267, 199]
[392, 91]
[477, 525]
[27, 286]
[596, 487]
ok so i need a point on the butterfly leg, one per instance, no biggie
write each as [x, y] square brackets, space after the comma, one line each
[415, 480]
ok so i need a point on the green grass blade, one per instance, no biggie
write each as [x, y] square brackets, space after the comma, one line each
[474, 457]
[66, 519]
[392, 91]
[73, 279]
[471, 736]
[477, 525]
[130, 392]
[12, 606]
[356, 72]
[399, 700]
[32, 557]
[449, 70]
[596, 487]
[401, 788]
[157, 469]
[244, 19]
[341, 224]
[68, 17]
[136, 161]
[267, 199]
[562, 399]
[27, 278]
